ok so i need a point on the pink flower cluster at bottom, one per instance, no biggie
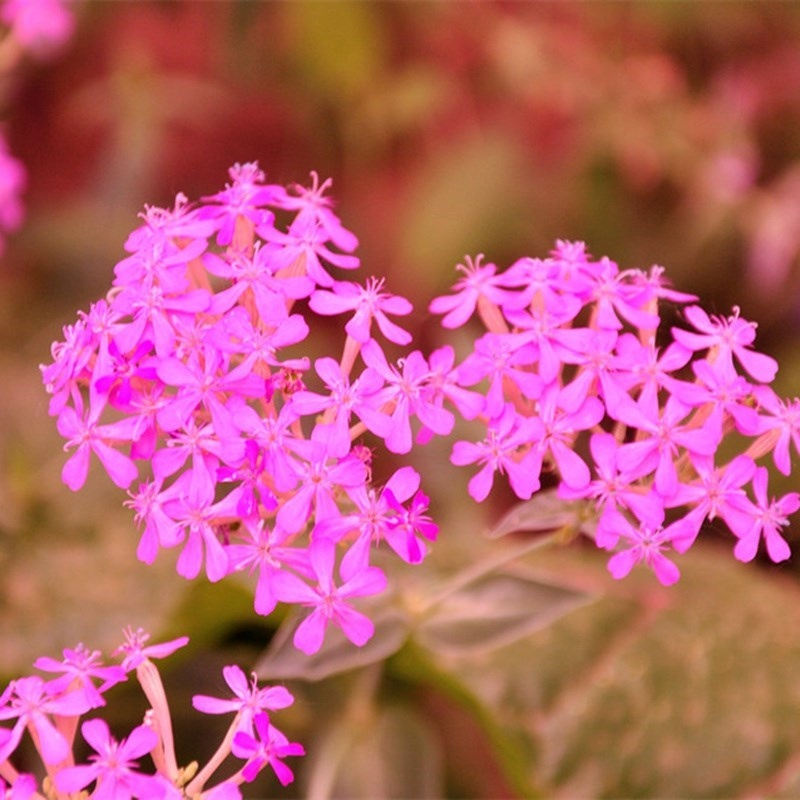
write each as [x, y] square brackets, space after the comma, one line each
[50, 711]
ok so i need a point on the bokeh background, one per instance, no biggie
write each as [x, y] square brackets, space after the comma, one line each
[663, 133]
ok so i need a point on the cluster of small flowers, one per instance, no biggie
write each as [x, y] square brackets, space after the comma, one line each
[51, 710]
[184, 368]
[577, 369]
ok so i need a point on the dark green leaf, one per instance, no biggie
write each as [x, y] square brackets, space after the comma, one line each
[283, 661]
[494, 611]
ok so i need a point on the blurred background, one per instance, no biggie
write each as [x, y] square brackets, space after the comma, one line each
[659, 133]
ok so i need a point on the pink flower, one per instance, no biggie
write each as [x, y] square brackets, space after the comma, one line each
[509, 448]
[769, 516]
[23, 788]
[38, 25]
[726, 337]
[113, 766]
[87, 436]
[32, 704]
[782, 420]
[249, 700]
[269, 746]
[328, 601]
[369, 303]
[136, 650]
[81, 666]
[243, 198]
[479, 281]
[405, 394]
[646, 544]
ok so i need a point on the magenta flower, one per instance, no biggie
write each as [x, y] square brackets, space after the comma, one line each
[407, 530]
[665, 433]
[23, 788]
[113, 767]
[13, 179]
[136, 650]
[305, 245]
[613, 490]
[269, 746]
[321, 476]
[260, 548]
[81, 666]
[311, 204]
[614, 296]
[479, 282]
[191, 506]
[39, 25]
[359, 396]
[783, 423]
[32, 704]
[646, 544]
[369, 303]
[405, 394]
[328, 601]
[243, 198]
[717, 492]
[506, 360]
[249, 700]
[87, 436]
[768, 517]
[726, 337]
[510, 447]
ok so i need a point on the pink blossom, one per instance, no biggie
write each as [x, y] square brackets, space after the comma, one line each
[268, 746]
[768, 517]
[782, 421]
[509, 448]
[645, 545]
[310, 203]
[369, 303]
[32, 704]
[243, 198]
[328, 601]
[13, 180]
[113, 767]
[87, 436]
[81, 666]
[717, 492]
[39, 25]
[479, 281]
[249, 700]
[726, 337]
[136, 650]
[23, 788]
[405, 394]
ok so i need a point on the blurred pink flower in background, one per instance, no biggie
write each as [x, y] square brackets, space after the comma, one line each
[40, 26]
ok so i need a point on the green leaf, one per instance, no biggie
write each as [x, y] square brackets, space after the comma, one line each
[283, 661]
[689, 691]
[545, 511]
[494, 611]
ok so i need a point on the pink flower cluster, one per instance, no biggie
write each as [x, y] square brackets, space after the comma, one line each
[50, 711]
[253, 459]
[188, 377]
[38, 26]
[586, 390]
